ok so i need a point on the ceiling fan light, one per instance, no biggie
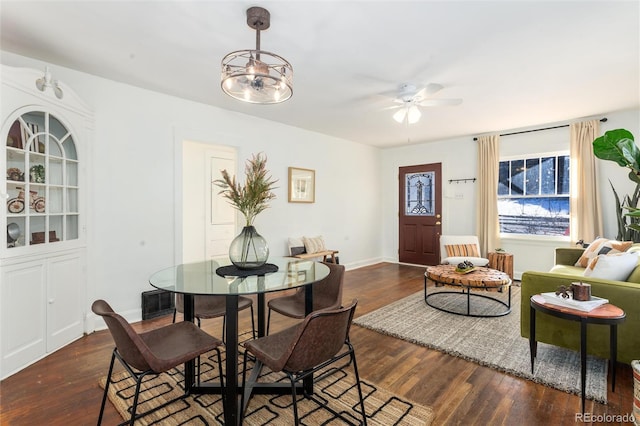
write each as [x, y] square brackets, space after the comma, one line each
[399, 115]
[414, 114]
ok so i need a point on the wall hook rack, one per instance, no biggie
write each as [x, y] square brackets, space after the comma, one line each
[462, 180]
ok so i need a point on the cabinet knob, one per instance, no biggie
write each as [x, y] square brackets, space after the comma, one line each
[51, 301]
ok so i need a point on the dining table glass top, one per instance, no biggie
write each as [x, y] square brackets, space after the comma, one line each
[201, 277]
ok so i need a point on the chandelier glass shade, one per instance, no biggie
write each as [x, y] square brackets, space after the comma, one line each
[411, 113]
[257, 76]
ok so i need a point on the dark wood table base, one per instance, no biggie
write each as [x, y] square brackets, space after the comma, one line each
[606, 314]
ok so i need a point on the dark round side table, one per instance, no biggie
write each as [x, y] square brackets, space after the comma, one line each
[606, 314]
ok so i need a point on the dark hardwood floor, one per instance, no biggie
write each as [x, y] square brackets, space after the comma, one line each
[62, 389]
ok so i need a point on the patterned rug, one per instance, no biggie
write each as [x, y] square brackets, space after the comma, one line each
[492, 342]
[337, 387]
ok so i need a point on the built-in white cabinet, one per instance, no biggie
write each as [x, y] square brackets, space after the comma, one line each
[42, 308]
[44, 293]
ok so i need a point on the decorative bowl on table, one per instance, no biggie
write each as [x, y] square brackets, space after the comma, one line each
[465, 267]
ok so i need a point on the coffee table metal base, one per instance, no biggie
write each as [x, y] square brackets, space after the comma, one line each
[466, 292]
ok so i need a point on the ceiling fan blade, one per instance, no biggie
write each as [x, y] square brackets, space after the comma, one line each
[391, 107]
[428, 91]
[432, 89]
[439, 102]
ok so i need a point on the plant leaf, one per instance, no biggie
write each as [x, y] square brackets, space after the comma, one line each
[618, 145]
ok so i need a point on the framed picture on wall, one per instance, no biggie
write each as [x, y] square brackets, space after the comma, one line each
[302, 185]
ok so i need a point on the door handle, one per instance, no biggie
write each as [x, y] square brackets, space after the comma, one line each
[438, 223]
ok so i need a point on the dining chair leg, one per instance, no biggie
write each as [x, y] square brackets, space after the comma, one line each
[355, 370]
[295, 398]
[135, 400]
[106, 387]
[268, 320]
[253, 323]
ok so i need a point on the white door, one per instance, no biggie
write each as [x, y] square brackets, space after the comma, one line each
[221, 219]
[23, 315]
[64, 300]
[208, 221]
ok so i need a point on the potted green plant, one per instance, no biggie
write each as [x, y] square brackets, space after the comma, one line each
[249, 250]
[619, 146]
[36, 173]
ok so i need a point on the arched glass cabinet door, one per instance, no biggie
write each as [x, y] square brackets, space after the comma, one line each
[42, 181]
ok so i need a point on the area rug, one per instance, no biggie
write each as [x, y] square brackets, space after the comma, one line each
[337, 387]
[492, 342]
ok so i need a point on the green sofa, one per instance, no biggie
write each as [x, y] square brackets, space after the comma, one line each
[559, 332]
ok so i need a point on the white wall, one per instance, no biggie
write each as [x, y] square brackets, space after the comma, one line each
[458, 158]
[134, 170]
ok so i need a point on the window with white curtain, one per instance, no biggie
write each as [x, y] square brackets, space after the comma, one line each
[533, 194]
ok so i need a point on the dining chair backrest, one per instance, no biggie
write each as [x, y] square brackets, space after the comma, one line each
[319, 338]
[130, 346]
[327, 293]
[206, 305]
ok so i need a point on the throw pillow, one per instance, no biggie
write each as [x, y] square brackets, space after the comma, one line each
[615, 267]
[296, 246]
[462, 250]
[314, 245]
[602, 246]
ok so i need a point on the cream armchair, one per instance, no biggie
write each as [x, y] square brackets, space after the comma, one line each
[458, 248]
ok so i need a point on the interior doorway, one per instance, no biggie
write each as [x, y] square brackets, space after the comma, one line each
[420, 214]
[208, 221]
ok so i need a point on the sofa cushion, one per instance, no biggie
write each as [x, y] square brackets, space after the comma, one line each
[602, 246]
[615, 267]
[567, 270]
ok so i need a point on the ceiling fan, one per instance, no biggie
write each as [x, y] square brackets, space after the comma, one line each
[409, 99]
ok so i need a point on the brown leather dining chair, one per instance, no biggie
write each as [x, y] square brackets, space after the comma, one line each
[306, 348]
[152, 352]
[205, 307]
[327, 294]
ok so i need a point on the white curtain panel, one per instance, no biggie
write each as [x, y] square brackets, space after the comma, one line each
[488, 224]
[586, 210]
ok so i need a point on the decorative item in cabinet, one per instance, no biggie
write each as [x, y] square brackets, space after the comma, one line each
[14, 137]
[36, 173]
[15, 205]
[32, 134]
[13, 233]
[36, 203]
[38, 237]
[15, 174]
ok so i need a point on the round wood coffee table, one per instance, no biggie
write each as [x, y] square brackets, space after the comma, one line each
[480, 278]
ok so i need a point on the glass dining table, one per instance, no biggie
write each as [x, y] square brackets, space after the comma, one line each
[217, 277]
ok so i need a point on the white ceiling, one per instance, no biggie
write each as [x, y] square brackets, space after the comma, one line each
[514, 63]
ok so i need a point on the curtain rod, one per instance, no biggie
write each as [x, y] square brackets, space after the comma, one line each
[602, 120]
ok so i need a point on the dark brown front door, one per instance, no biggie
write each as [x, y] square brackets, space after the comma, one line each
[420, 214]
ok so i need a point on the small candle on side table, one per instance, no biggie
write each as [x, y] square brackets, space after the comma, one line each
[581, 291]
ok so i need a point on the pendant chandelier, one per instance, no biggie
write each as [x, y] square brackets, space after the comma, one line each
[257, 76]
